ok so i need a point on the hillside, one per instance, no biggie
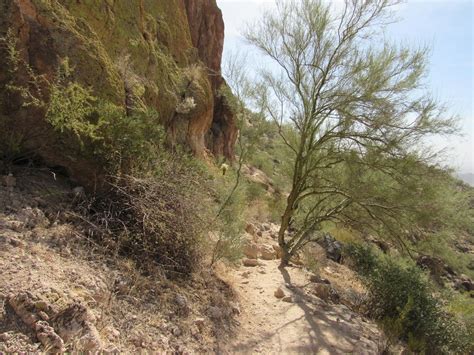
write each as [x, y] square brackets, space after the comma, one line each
[60, 290]
[152, 202]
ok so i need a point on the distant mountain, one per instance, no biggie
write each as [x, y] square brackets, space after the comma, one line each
[467, 178]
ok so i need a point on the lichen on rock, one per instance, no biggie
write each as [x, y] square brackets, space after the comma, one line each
[163, 42]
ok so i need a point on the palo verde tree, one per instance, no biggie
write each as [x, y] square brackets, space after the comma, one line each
[350, 108]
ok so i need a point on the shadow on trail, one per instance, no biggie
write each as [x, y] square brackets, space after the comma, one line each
[317, 334]
[318, 328]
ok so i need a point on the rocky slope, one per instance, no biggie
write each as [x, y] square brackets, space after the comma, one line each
[60, 291]
[117, 48]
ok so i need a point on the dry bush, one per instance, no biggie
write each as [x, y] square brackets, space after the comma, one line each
[157, 219]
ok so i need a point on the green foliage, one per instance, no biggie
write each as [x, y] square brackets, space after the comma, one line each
[363, 258]
[69, 107]
[352, 137]
[121, 141]
[462, 305]
[87, 125]
[230, 219]
[402, 299]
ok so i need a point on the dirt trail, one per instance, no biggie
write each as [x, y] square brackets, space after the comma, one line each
[306, 324]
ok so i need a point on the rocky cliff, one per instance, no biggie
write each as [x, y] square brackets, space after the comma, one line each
[167, 50]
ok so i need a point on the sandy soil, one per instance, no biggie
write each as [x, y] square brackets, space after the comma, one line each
[306, 324]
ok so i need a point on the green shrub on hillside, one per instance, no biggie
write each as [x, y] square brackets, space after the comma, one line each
[362, 257]
[230, 218]
[401, 298]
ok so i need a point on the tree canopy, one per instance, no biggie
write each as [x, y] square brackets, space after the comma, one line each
[351, 109]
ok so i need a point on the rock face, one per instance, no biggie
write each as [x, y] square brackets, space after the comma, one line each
[167, 50]
[207, 34]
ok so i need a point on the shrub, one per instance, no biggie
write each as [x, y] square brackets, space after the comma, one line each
[401, 298]
[230, 219]
[362, 257]
[155, 219]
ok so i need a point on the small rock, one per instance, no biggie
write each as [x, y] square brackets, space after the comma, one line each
[288, 299]
[235, 308]
[246, 274]
[176, 331]
[250, 262]
[279, 293]
[200, 322]
[112, 332]
[16, 243]
[182, 303]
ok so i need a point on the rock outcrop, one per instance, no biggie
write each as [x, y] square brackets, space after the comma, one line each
[207, 34]
[167, 50]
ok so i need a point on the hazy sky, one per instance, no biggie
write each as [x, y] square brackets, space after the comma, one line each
[446, 26]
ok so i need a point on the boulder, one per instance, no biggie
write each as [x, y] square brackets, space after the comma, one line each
[322, 291]
[76, 323]
[32, 217]
[332, 247]
[464, 283]
[436, 267]
[250, 262]
[251, 250]
[326, 292]
[267, 252]
[73, 324]
[48, 338]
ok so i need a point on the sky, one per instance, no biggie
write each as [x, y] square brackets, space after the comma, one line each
[446, 26]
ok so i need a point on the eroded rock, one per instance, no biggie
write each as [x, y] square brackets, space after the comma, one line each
[51, 341]
[250, 262]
